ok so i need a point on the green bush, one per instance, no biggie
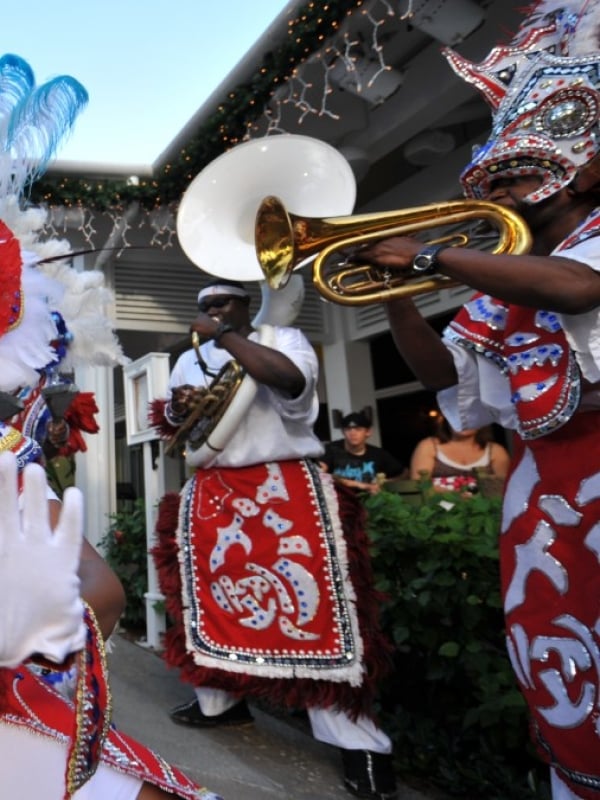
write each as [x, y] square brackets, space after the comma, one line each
[125, 549]
[452, 705]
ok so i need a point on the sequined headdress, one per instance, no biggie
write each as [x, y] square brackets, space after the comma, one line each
[544, 91]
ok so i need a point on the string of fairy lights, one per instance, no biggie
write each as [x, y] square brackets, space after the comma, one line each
[320, 35]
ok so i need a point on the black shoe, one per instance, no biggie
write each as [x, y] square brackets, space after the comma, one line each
[369, 775]
[190, 714]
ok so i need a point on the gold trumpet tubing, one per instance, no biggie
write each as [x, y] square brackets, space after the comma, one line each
[338, 277]
[370, 291]
[310, 235]
[513, 237]
[385, 285]
[344, 279]
[284, 241]
[452, 240]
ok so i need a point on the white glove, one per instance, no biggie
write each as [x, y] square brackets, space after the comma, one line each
[42, 611]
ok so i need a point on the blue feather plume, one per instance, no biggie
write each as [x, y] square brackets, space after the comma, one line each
[16, 83]
[34, 120]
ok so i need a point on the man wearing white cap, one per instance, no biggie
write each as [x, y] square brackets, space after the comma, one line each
[267, 577]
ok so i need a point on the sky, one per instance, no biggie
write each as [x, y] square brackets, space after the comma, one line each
[148, 65]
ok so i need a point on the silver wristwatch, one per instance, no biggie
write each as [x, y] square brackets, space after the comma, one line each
[425, 262]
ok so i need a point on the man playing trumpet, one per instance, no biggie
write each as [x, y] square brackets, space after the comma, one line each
[524, 352]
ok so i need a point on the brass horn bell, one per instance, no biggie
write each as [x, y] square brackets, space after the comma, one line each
[284, 241]
[220, 231]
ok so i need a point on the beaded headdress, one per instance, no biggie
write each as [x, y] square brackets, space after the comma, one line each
[543, 88]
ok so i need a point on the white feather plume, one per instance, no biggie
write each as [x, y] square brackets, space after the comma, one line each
[82, 299]
[86, 306]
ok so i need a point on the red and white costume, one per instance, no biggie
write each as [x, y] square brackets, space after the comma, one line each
[62, 744]
[539, 374]
[265, 565]
[57, 717]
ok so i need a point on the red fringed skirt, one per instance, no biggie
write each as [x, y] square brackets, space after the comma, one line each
[269, 587]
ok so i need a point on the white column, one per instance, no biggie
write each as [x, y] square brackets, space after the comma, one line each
[154, 489]
[95, 469]
[145, 379]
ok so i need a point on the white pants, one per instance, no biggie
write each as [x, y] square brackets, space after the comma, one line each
[329, 726]
[32, 766]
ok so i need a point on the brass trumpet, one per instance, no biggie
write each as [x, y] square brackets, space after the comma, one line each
[283, 241]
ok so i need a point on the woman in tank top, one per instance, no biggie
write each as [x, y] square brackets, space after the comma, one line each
[452, 459]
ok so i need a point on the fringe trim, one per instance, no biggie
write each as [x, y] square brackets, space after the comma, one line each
[93, 709]
[296, 693]
[156, 417]
[325, 482]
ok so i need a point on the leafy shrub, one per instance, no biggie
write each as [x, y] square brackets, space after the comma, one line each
[125, 549]
[452, 706]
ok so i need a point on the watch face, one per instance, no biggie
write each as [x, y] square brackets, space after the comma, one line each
[423, 261]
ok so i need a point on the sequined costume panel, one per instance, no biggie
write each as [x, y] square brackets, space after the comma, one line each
[29, 702]
[530, 348]
[265, 574]
[550, 564]
[278, 601]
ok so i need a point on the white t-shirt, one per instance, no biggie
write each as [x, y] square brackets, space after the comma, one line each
[274, 427]
[482, 394]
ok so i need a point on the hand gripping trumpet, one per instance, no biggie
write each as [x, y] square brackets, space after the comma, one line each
[284, 240]
[209, 407]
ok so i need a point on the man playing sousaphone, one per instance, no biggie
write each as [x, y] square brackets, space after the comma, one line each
[262, 559]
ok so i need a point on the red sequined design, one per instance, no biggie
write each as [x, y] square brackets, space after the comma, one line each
[550, 568]
[10, 280]
[285, 658]
[531, 348]
[267, 590]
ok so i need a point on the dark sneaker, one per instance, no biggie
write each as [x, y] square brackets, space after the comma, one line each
[369, 775]
[190, 714]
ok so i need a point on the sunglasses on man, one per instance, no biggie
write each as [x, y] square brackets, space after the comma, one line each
[216, 302]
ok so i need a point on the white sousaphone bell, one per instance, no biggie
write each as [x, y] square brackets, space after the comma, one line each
[217, 214]
[216, 230]
[217, 217]
[233, 222]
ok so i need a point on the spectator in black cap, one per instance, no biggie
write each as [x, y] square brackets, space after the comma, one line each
[352, 460]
